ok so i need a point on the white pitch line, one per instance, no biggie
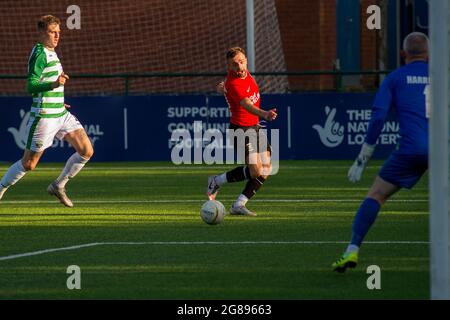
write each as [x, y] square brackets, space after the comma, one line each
[202, 200]
[35, 253]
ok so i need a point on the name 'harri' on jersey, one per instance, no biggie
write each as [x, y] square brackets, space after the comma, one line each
[404, 90]
[417, 80]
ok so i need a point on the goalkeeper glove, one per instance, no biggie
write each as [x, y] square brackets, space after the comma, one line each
[356, 170]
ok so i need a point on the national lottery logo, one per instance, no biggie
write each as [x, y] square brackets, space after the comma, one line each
[353, 130]
[332, 133]
[19, 134]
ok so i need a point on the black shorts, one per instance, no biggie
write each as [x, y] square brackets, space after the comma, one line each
[255, 141]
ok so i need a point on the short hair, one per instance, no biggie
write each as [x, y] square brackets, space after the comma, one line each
[416, 43]
[47, 20]
[232, 52]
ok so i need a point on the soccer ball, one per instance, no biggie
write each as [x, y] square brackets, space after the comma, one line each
[212, 212]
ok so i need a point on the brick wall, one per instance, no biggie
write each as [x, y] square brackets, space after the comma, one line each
[176, 36]
[308, 32]
[135, 36]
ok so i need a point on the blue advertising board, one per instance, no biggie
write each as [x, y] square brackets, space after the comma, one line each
[139, 128]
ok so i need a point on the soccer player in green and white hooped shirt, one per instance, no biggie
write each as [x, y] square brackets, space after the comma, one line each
[49, 117]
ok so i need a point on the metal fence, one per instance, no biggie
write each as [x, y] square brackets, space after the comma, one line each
[338, 76]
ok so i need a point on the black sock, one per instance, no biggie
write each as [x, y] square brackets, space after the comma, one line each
[238, 174]
[253, 186]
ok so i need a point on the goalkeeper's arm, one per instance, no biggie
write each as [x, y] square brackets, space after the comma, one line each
[381, 106]
[375, 126]
[356, 170]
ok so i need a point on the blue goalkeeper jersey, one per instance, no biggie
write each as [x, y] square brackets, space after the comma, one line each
[405, 91]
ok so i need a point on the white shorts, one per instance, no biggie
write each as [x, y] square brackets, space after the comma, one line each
[42, 131]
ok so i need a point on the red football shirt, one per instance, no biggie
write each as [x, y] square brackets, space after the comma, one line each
[236, 90]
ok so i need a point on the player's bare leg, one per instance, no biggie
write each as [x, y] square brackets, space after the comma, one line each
[31, 159]
[16, 172]
[382, 190]
[84, 151]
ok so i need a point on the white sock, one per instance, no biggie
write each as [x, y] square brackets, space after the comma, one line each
[241, 201]
[73, 165]
[352, 248]
[14, 174]
[221, 179]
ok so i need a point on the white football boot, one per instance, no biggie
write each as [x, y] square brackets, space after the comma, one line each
[241, 210]
[212, 188]
[60, 193]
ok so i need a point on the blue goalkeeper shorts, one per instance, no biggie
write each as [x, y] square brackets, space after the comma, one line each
[404, 170]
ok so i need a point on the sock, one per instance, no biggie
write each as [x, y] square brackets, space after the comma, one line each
[241, 201]
[352, 248]
[221, 179]
[365, 217]
[238, 174]
[253, 186]
[73, 165]
[14, 174]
